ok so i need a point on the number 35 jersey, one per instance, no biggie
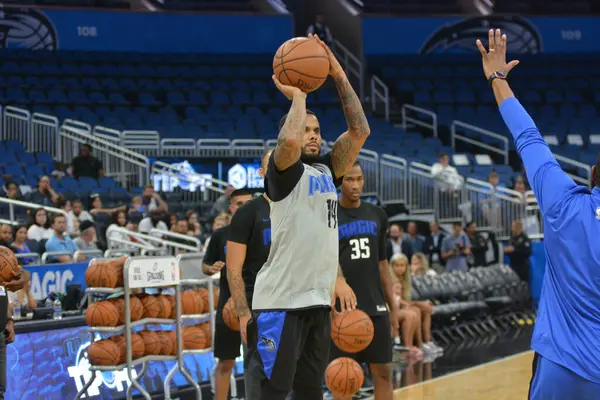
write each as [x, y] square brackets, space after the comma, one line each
[301, 270]
[362, 235]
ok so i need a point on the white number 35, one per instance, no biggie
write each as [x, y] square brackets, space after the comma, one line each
[360, 248]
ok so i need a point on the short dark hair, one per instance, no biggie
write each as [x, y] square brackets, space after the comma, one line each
[442, 154]
[469, 224]
[241, 192]
[457, 223]
[282, 120]
[54, 217]
[88, 146]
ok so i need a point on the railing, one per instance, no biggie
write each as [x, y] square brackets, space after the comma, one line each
[18, 203]
[88, 254]
[501, 150]
[196, 187]
[582, 168]
[369, 161]
[16, 124]
[408, 117]
[380, 91]
[44, 133]
[393, 185]
[37, 258]
[120, 240]
[351, 64]
[49, 254]
[144, 142]
[420, 188]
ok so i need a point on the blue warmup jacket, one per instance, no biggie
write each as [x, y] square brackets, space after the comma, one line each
[567, 330]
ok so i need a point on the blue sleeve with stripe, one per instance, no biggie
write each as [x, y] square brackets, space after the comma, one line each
[548, 181]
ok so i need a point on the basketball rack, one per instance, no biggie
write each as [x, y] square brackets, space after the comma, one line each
[140, 273]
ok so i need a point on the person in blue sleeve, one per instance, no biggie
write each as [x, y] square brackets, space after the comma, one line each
[566, 339]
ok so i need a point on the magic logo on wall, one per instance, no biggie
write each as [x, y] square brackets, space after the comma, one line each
[26, 28]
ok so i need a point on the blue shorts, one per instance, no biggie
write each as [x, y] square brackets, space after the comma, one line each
[551, 381]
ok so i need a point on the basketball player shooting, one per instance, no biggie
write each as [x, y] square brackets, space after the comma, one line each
[363, 259]
[290, 331]
[227, 341]
[565, 339]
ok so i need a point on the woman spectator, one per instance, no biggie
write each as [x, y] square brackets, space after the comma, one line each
[220, 221]
[23, 297]
[95, 206]
[19, 246]
[173, 222]
[422, 309]
[40, 226]
[408, 324]
[194, 227]
[420, 266]
[12, 191]
[119, 221]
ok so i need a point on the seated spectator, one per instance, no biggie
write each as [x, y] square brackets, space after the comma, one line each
[479, 246]
[119, 221]
[19, 246]
[194, 227]
[154, 221]
[24, 297]
[59, 242]
[397, 242]
[43, 194]
[221, 205]
[137, 205]
[152, 201]
[408, 324]
[86, 165]
[72, 222]
[417, 242]
[12, 191]
[87, 236]
[60, 170]
[5, 235]
[433, 246]
[95, 206]
[219, 222]
[456, 248]
[420, 266]
[78, 213]
[422, 309]
[40, 226]
[172, 222]
[446, 176]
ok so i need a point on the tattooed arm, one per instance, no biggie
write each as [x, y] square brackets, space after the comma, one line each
[236, 254]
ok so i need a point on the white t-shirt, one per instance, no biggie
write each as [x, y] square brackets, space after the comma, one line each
[447, 176]
[38, 233]
[146, 225]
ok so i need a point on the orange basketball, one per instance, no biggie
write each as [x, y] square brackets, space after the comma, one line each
[173, 338]
[165, 343]
[165, 306]
[103, 352]
[352, 331]
[152, 344]
[207, 332]
[137, 346]
[102, 276]
[301, 62]
[136, 308]
[102, 313]
[92, 274]
[151, 306]
[344, 377]
[230, 315]
[194, 338]
[9, 266]
[171, 299]
[191, 302]
[116, 264]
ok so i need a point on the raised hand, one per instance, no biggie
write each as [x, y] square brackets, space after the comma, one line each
[494, 60]
[287, 90]
[335, 68]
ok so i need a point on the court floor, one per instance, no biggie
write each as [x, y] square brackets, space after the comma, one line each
[503, 379]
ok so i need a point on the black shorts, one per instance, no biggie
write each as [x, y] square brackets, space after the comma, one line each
[379, 351]
[288, 350]
[227, 341]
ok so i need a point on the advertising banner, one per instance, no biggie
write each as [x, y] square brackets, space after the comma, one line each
[49, 278]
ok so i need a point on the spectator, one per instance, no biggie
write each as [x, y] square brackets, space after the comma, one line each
[479, 246]
[417, 243]
[12, 191]
[420, 266]
[221, 205]
[60, 170]
[448, 179]
[194, 227]
[119, 221]
[95, 206]
[87, 236]
[172, 222]
[219, 222]
[40, 227]
[320, 29]
[86, 165]
[455, 249]
[137, 205]
[433, 246]
[397, 243]
[5, 235]
[78, 213]
[154, 221]
[490, 206]
[24, 297]
[59, 242]
[152, 201]
[19, 246]
[519, 250]
[44, 194]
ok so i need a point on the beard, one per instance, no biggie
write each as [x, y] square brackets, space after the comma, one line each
[310, 157]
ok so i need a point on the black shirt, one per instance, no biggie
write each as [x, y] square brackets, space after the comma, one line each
[251, 226]
[86, 166]
[362, 233]
[3, 308]
[522, 250]
[217, 247]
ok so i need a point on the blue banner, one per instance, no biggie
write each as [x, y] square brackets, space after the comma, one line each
[389, 35]
[50, 278]
[142, 32]
[53, 365]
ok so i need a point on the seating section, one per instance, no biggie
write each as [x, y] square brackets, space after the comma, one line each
[413, 7]
[119, 4]
[546, 7]
[561, 94]
[471, 303]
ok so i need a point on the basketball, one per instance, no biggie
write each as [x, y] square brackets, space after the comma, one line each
[152, 344]
[173, 338]
[171, 299]
[205, 326]
[136, 308]
[165, 343]
[91, 275]
[165, 307]
[137, 346]
[204, 294]
[102, 313]
[99, 275]
[194, 338]
[301, 62]
[344, 377]
[191, 302]
[104, 352]
[352, 331]
[9, 266]
[116, 264]
[151, 306]
[230, 316]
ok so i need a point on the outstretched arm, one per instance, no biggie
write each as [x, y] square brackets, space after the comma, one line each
[549, 182]
[348, 145]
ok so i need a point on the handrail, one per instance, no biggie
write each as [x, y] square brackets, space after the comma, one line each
[383, 95]
[453, 136]
[87, 253]
[55, 254]
[588, 170]
[29, 255]
[11, 203]
[176, 236]
[345, 56]
[145, 238]
[405, 118]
